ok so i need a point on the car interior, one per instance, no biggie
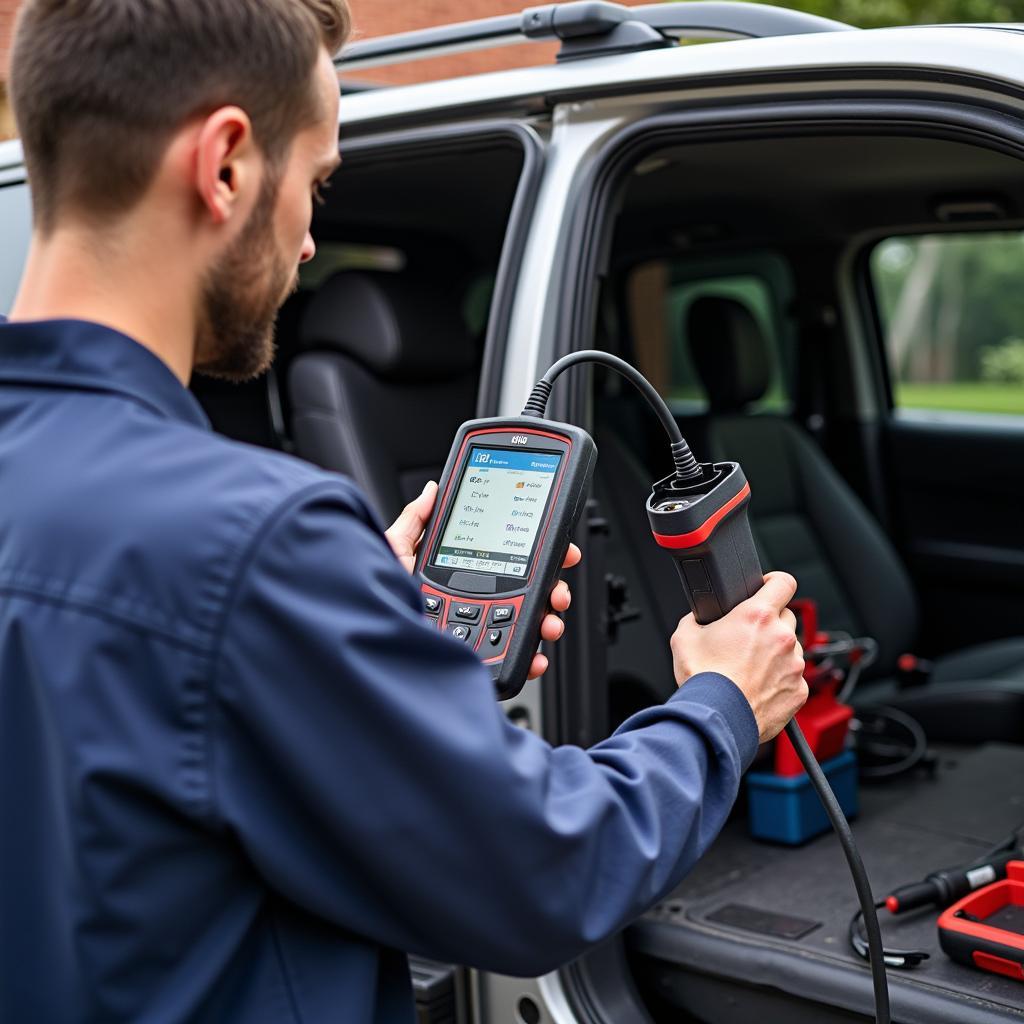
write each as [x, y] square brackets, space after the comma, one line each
[729, 296]
[746, 358]
[380, 349]
[740, 280]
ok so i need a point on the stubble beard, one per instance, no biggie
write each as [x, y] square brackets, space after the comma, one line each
[242, 296]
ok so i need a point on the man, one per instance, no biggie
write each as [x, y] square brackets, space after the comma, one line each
[239, 775]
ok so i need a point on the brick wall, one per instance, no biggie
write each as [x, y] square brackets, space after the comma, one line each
[385, 17]
[378, 18]
[7, 10]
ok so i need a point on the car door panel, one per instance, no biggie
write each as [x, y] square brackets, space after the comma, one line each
[958, 498]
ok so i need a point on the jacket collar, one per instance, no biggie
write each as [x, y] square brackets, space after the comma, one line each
[85, 356]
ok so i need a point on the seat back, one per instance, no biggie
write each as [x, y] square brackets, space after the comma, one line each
[805, 518]
[386, 375]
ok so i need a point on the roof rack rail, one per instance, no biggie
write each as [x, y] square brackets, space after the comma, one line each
[592, 28]
[350, 85]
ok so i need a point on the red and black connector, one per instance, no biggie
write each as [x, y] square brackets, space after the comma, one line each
[702, 523]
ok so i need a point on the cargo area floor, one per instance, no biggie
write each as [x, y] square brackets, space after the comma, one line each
[759, 932]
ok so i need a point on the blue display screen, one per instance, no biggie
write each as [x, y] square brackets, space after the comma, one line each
[498, 510]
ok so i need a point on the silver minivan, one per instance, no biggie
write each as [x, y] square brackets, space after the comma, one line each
[811, 239]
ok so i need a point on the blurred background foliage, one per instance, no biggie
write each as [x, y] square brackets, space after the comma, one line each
[952, 311]
[879, 13]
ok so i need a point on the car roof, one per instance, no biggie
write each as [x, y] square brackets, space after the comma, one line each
[993, 52]
[11, 159]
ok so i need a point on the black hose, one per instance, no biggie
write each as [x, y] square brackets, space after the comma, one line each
[860, 876]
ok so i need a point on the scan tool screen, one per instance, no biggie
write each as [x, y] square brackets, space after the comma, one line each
[498, 511]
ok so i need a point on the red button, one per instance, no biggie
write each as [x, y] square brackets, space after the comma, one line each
[998, 965]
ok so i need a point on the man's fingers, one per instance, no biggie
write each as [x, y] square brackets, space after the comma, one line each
[404, 534]
[572, 557]
[789, 618]
[413, 518]
[561, 596]
[552, 628]
[778, 590]
[538, 667]
[424, 504]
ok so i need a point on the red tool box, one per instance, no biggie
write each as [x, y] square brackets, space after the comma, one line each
[823, 719]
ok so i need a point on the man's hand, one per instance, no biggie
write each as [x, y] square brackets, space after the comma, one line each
[755, 645]
[407, 532]
[553, 627]
[405, 535]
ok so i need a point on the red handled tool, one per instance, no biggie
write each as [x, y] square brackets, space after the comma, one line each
[985, 925]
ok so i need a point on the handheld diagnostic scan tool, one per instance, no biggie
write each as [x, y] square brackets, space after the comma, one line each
[509, 499]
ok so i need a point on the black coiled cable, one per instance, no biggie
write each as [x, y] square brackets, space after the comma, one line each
[687, 467]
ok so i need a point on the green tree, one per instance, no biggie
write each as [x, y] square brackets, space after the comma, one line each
[952, 305]
[880, 13]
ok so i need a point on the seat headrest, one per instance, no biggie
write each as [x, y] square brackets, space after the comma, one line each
[396, 327]
[730, 352]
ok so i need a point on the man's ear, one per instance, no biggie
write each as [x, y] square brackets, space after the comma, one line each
[226, 162]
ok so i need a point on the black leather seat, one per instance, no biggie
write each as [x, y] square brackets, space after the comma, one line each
[386, 375]
[806, 518]
[808, 521]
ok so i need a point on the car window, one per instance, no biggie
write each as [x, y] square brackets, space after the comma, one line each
[951, 308]
[332, 257]
[660, 296]
[16, 228]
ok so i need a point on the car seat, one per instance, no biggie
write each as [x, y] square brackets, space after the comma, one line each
[806, 520]
[809, 521]
[386, 374]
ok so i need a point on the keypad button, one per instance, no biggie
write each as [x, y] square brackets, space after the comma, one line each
[473, 582]
[433, 605]
[496, 637]
[502, 615]
[460, 632]
[467, 612]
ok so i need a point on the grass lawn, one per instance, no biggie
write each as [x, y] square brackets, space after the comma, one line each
[967, 397]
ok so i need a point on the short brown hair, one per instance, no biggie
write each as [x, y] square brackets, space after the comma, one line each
[100, 86]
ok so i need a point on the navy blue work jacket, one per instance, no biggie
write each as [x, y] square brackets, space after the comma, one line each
[240, 775]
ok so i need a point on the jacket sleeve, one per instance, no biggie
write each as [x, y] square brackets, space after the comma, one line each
[363, 763]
